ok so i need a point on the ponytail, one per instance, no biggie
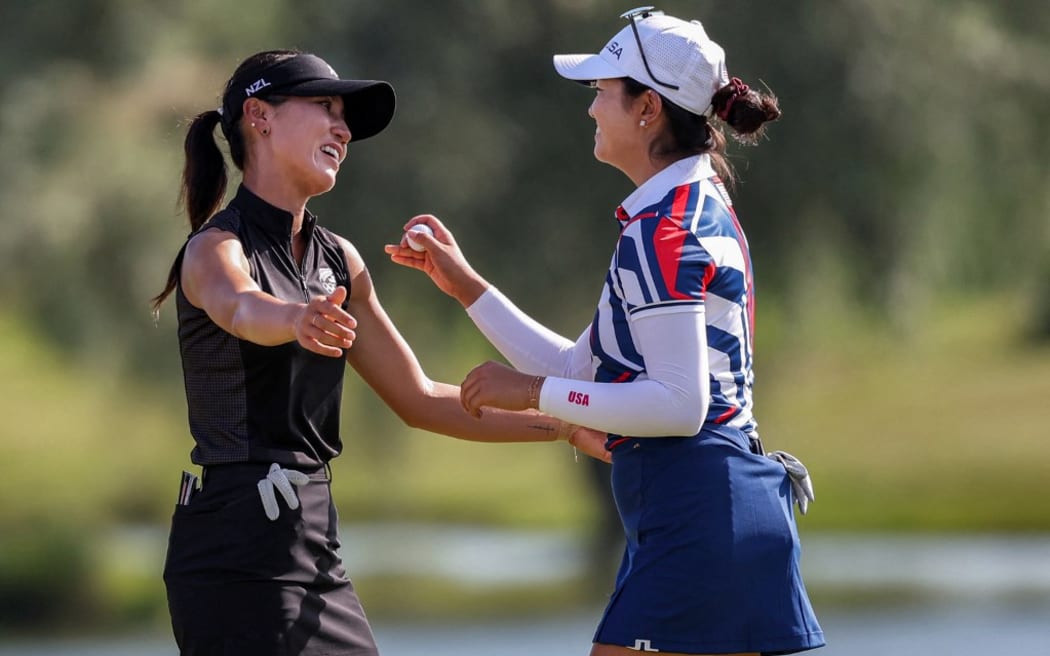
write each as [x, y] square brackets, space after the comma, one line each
[203, 185]
[204, 174]
[745, 110]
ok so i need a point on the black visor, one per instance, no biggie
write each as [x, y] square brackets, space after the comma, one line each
[368, 104]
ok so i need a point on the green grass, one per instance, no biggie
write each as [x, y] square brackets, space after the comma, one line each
[81, 446]
[943, 431]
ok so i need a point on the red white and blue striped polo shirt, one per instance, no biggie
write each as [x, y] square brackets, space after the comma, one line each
[681, 244]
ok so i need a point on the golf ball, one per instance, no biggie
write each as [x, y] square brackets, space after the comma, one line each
[419, 227]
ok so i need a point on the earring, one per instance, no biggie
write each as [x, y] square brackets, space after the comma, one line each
[642, 123]
[253, 124]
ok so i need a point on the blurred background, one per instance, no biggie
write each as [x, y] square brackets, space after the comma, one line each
[898, 218]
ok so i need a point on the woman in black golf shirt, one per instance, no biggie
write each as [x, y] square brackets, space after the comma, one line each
[268, 304]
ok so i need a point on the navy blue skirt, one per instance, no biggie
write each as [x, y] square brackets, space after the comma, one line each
[712, 558]
[241, 584]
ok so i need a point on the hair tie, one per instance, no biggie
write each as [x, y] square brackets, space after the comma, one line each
[224, 121]
[738, 89]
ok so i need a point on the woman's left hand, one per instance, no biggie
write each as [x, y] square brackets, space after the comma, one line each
[495, 385]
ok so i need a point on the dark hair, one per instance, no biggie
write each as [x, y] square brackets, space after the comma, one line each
[691, 134]
[204, 174]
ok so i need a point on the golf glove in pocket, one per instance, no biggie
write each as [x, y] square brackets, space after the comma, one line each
[282, 480]
[801, 484]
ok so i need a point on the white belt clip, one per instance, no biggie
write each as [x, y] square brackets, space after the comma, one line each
[283, 480]
[801, 484]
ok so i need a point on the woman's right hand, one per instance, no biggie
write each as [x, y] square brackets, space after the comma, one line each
[441, 259]
[324, 327]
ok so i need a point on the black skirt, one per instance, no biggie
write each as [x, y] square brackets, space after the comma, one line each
[239, 583]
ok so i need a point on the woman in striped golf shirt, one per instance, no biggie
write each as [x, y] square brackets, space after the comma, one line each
[712, 557]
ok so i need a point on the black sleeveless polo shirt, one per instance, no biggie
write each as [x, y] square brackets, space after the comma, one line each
[251, 403]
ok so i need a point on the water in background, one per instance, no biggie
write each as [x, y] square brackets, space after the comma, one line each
[950, 628]
[935, 595]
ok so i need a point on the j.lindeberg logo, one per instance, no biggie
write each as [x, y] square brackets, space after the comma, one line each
[256, 87]
[642, 645]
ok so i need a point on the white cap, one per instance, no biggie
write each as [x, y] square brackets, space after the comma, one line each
[678, 52]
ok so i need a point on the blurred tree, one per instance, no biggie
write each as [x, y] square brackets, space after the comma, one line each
[910, 161]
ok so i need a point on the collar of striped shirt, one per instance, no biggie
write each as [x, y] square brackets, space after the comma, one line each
[655, 188]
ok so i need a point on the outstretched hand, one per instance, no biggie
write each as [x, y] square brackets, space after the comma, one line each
[441, 259]
[324, 327]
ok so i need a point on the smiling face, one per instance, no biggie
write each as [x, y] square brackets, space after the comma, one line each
[617, 138]
[308, 140]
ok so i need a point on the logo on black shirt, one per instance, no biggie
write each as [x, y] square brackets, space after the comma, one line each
[327, 279]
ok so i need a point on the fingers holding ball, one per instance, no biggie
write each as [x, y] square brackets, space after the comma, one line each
[417, 228]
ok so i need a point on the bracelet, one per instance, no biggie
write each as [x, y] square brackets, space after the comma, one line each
[566, 430]
[534, 391]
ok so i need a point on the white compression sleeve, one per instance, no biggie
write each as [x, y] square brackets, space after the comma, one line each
[672, 400]
[529, 346]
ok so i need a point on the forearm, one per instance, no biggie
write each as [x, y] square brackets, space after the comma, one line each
[528, 345]
[387, 364]
[216, 278]
[640, 409]
[674, 398]
[443, 413]
[260, 318]
[470, 286]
